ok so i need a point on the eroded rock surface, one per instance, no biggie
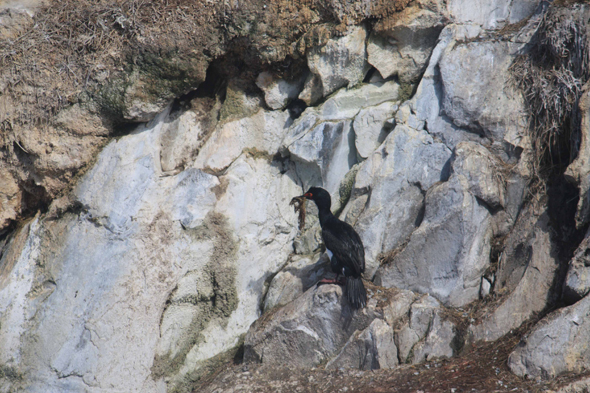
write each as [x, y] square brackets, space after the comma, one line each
[178, 243]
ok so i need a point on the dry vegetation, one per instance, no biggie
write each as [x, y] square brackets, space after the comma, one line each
[74, 47]
[551, 75]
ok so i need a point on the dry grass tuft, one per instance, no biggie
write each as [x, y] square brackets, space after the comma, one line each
[551, 75]
[76, 46]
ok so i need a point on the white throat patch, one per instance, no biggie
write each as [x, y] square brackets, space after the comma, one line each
[330, 253]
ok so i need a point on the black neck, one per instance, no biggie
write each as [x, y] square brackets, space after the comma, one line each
[324, 213]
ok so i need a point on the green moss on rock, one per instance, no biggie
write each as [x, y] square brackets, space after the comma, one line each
[215, 303]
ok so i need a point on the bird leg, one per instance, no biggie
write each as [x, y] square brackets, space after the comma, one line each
[338, 280]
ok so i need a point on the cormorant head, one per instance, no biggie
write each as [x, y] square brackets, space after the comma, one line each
[320, 196]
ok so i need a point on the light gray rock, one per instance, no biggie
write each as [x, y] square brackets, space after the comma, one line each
[310, 239]
[557, 344]
[324, 155]
[278, 92]
[183, 137]
[396, 310]
[321, 142]
[577, 280]
[416, 327]
[426, 104]
[403, 45]
[311, 329]
[395, 176]
[486, 287]
[529, 278]
[426, 334]
[438, 341]
[578, 171]
[347, 103]
[482, 67]
[490, 14]
[312, 90]
[154, 275]
[319, 327]
[341, 62]
[370, 349]
[448, 253]
[480, 172]
[261, 133]
[371, 126]
[300, 274]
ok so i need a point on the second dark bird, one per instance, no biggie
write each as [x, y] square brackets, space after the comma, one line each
[344, 247]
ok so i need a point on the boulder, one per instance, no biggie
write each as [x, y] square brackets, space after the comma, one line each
[300, 274]
[341, 62]
[321, 142]
[426, 104]
[401, 45]
[427, 334]
[371, 125]
[480, 172]
[577, 280]
[306, 332]
[278, 92]
[437, 342]
[347, 103]
[369, 349]
[558, 344]
[312, 90]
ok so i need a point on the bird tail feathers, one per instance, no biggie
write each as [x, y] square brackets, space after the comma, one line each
[355, 292]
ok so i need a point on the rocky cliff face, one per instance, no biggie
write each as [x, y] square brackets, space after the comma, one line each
[144, 244]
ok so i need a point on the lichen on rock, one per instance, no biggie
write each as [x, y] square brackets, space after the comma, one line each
[200, 297]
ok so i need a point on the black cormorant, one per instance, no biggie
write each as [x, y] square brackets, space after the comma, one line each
[344, 247]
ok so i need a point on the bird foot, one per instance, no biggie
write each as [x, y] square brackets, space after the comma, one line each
[339, 281]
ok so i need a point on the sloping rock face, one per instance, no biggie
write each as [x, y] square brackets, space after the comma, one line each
[178, 244]
[528, 269]
[148, 269]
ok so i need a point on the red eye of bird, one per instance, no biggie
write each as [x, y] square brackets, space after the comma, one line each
[308, 195]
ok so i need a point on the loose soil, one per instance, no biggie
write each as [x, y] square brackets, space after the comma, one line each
[480, 368]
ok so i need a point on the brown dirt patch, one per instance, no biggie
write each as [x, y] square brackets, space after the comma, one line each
[479, 368]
